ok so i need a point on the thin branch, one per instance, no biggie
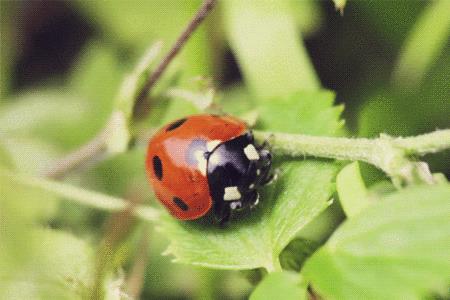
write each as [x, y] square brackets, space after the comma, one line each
[97, 145]
[202, 13]
[392, 155]
[91, 149]
[83, 196]
[117, 228]
[312, 295]
[426, 143]
[135, 281]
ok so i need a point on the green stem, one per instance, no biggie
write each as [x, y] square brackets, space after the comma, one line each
[387, 153]
[267, 42]
[82, 196]
[424, 44]
[275, 266]
[392, 155]
[426, 143]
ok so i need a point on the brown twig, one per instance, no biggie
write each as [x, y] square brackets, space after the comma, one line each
[118, 228]
[97, 145]
[312, 295]
[135, 281]
[91, 149]
[204, 10]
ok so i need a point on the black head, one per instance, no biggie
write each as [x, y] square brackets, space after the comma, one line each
[235, 170]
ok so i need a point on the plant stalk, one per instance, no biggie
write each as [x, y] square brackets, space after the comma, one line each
[201, 14]
[98, 144]
[83, 196]
[390, 154]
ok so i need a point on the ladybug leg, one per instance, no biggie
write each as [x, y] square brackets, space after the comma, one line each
[266, 144]
[225, 218]
[254, 200]
[271, 177]
[265, 156]
[225, 214]
[264, 166]
[222, 212]
[250, 137]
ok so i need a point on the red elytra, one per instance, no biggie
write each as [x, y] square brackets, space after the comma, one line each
[181, 185]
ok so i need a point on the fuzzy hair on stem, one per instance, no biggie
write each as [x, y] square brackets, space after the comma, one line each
[393, 155]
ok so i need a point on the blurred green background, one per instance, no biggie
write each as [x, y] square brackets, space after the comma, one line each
[62, 63]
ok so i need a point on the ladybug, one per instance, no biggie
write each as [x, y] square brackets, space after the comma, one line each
[207, 164]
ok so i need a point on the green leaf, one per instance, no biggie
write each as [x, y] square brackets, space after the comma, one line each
[427, 109]
[270, 54]
[14, 220]
[115, 175]
[38, 110]
[130, 23]
[96, 75]
[321, 228]
[256, 240]
[134, 81]
[166, 110]
[299, 195]
[122, 112]
[56, 115]
[59, 268]
[178, 108]
[9, 52]
[23, 201]
[5, 159]
[401, 111]
[424, 44]
[50, 115]
[351, 189]
[308, 112]
[297, 251]
[390, 20]
[396, 248]
[308, 16]
[138, 24]
[280, 285]
[29, 155]
[237, 100]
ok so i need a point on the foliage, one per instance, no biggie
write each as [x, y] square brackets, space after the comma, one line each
[391, 249]
[283, 285]
[80, 237]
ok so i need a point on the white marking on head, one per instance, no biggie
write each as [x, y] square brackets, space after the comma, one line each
[251, 152]
[202, 163]
[231, 193]
[212, 144]
[251, 186]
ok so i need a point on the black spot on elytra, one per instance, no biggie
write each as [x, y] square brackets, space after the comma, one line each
[176, 124]
[157, 167]
[180, 203]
